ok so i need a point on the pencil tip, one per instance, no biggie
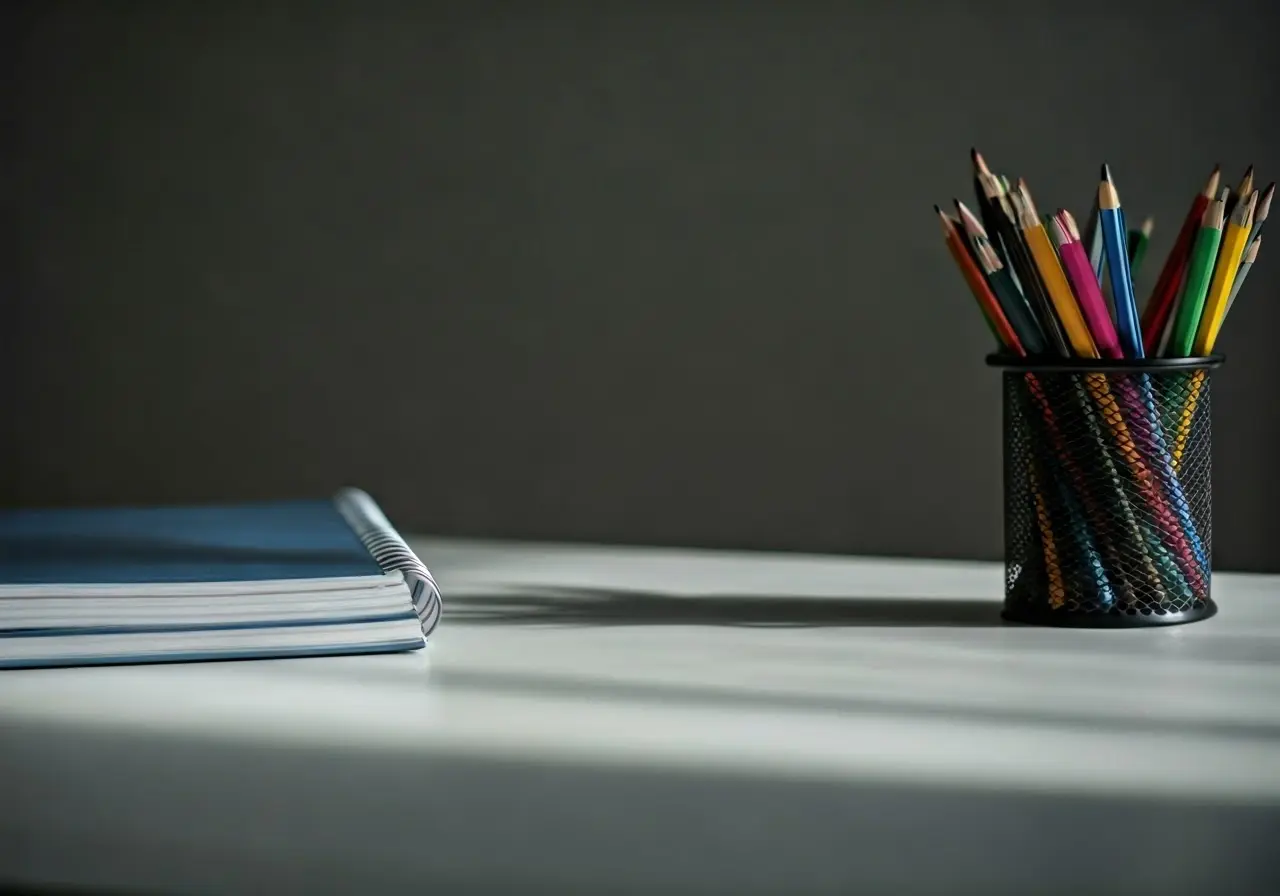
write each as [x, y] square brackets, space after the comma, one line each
[1106, 172]
[1211, 186]
[1264, 204]
[1251, 251]
[1148, 225]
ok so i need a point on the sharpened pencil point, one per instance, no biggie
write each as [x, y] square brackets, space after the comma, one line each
[1108, 198]
[1059, 231]
[1264, 204]
[1251, 254]
[948, 225]
[972, 225]
[1069, 220]
[1211, 187]
[1106, 172]
[979, 162]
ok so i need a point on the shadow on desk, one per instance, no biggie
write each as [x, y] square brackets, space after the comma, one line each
[607, 606]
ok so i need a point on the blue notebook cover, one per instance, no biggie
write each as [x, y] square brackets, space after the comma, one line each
[244, 542]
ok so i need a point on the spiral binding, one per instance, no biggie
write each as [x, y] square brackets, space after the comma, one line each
[391, 552]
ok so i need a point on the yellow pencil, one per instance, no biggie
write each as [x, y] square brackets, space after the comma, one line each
[1234, 241]
[1050, 268]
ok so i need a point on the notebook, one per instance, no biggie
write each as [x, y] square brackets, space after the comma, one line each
[245, 581]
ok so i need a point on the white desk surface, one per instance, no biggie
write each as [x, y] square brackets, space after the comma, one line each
[643, 720]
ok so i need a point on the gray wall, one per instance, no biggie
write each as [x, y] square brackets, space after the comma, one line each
[649, 272]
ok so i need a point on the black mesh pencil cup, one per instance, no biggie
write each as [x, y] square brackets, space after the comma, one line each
[1107, 491]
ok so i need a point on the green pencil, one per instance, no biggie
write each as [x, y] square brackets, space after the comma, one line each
[1199, 270]
[1138, 240]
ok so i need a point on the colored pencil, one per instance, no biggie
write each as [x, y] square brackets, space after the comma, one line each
[1246, 264]
[1050, 270]
[1111, 222]
[1076, 264]
[1138, 241]
[1196, 282]
[1263, 211]
[1158, 310]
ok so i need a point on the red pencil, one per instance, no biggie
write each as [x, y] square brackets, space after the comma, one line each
[1160, 305]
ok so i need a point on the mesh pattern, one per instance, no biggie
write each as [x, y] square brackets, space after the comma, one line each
[1107, 494]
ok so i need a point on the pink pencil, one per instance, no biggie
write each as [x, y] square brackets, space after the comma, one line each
[1085, 283]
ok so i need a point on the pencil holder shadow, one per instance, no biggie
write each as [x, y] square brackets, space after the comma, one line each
[1107, 491]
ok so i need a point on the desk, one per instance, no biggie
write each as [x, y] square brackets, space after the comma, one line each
[629, 720]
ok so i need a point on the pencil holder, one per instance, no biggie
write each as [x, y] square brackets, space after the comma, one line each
[1107, 491]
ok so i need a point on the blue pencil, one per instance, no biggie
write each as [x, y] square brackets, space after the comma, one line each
[1115, 241]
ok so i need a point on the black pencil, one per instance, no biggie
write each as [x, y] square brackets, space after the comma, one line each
[1022, 264]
